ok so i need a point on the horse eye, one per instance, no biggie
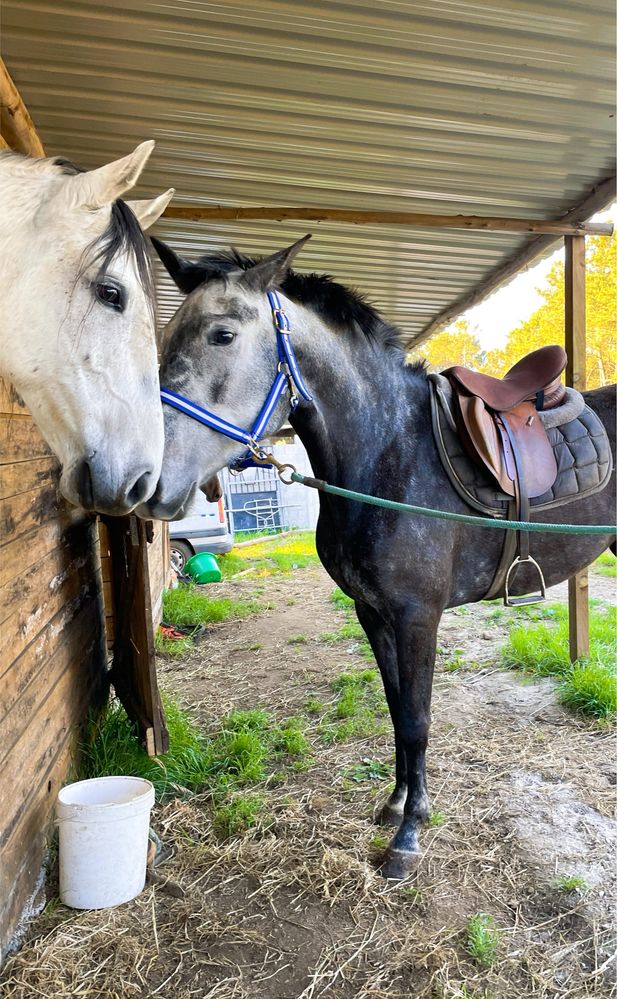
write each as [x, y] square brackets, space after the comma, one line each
[222, 337]
[109, 295]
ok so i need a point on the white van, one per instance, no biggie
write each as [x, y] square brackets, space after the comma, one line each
[204, 529]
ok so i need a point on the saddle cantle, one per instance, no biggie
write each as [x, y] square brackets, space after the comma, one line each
[499, 425]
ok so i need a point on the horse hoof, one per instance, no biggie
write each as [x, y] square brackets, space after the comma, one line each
[399, 864]
[389, 815]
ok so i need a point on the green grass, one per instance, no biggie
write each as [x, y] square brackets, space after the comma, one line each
[590, 685]
[313, 706]
[188, 606]
[436, 819]
[340, 599]
[569, 882]
[349, 631]
[176, 648]
[248, 749]
[294, 551]
[237, 815]
[358, 710]
[483, 939]
[297, 639]
[606, 565]
[368, 769]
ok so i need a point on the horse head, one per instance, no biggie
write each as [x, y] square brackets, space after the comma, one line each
[77, 330]
[220, 349]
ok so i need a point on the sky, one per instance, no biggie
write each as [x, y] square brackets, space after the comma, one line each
[508, 307]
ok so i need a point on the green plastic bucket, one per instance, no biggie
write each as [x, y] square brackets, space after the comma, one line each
[203, 568]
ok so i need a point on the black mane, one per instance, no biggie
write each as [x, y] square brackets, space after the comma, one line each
[336, 304]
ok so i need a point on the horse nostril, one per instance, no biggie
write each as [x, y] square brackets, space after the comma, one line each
[83, 481]
[140, 489]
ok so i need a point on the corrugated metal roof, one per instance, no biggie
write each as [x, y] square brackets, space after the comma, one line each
[481, 108]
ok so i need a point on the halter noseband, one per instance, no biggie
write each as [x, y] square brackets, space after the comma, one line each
[287, 376]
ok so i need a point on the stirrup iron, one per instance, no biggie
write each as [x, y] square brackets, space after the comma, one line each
[529, 598]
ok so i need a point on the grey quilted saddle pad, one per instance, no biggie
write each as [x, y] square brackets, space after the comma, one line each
[581, 448]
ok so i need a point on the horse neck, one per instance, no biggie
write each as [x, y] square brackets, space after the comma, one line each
[366, 404]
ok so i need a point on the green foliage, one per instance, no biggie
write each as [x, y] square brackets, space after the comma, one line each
[546, 325]
[113, 749]
[588, 686]
[286, 554]
[436, 819]
[175, 648]
[606, 565]
[297, 639]
[188, 606]
[237, 815]
[569, 882]
[242, 753]
[313, 706]
[483, 939]
[455, 345]
[359, 704]
[379, 841]
[368, 769]
[341, 600]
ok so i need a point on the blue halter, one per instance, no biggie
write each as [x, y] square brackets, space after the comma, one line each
[287, 376]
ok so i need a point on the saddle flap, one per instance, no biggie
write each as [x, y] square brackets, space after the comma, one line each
[480, 435]
[535, 452]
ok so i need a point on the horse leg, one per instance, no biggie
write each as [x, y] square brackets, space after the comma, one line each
[382, 642]
[416, 640]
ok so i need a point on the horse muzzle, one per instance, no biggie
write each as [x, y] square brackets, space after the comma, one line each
[92, 484]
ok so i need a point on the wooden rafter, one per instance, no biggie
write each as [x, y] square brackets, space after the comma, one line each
[601, 196]
[16, 125]
[200, 213]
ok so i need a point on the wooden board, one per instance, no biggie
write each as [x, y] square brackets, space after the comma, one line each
[134, 664]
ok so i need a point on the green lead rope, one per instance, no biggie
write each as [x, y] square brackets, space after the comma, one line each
[461, 518]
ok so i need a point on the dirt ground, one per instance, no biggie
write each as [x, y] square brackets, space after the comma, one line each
[295, 908]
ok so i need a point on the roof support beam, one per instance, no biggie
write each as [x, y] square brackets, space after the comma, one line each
[601, 196]
[16, 125]
[559, 227]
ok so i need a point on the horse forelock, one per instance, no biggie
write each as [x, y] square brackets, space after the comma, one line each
[335, 303]
[123, 235]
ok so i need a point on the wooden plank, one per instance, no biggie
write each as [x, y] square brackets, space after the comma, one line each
[601, 196]
[26, 684]
[15, 123]
[29, 603]
[20, 554]
[575, 338]
[134, 665]
[19, 514]
[41, 740]
[10, 401]
[491, 223]
[26, 476]
[20, 440]
[24, 853]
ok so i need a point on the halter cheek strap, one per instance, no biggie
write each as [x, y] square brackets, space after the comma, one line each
[287, 377]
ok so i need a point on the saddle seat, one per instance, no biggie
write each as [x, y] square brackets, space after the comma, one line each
[536, 374]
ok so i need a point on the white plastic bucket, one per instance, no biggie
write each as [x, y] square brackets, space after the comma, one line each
[103, 826]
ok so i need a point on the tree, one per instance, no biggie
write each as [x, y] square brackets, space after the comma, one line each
[455, 345]
[546, 325]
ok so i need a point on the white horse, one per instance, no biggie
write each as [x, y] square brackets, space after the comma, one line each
[77, 330]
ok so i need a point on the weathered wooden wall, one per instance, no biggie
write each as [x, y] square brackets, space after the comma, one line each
[52, 649]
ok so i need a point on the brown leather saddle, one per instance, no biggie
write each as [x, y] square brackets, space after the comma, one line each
[498, 423]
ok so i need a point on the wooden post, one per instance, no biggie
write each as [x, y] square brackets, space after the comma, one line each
[578, 585]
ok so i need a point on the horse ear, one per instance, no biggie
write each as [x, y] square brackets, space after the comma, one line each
[147, 212]
[100, 187]
[272, 270]
[185, 275]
